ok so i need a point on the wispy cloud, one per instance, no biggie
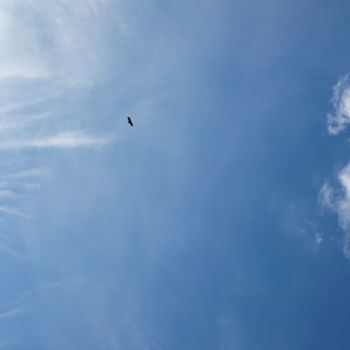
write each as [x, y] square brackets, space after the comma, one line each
[6, 249]
[326, 197]
[55, 50]
[46, 59]
[338, 200]
[11, 313]
[340, 118]
[337, 197]
[69, 139]
[45, 48]
[25, 174]
[53, 53]
[13, 185]
[318, 239]
[17, 306]
[12, 211]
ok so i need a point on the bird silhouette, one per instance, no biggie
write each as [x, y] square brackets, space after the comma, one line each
[130, 122]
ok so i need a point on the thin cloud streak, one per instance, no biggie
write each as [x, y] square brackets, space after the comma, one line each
[12, 211]
[11, 313]
[19, 185]
[7, 194]
[63, 140]
[5, 248]
[48, 66]
[13, 123]
[13, 185]
[57, 72]
[37, 172]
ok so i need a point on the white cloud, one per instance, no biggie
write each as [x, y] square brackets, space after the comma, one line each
[50, 51]
[318, 239]
[63, 140]
[6, 249]
[6, 193]
[11, 313]
[339, 202]
[40, 172]
[48, 39]
[326, 196]
[340, 118]
[53, 48]
[14, 184]
[11, 211]
[337, 198]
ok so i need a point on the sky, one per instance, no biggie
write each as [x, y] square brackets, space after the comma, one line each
[220, 221]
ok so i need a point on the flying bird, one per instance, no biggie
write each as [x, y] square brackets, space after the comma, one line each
[130, 122]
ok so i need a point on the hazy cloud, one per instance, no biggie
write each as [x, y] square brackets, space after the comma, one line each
[340, 118]
[47, 57]
[337, 197]
[63, 140]
[47, 39]
[45, 49]
[318, 239]
[339, 202]
[53, 53]
[11, 313]
[326, 196]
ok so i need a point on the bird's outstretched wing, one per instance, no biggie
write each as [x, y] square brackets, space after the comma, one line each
[130, 122]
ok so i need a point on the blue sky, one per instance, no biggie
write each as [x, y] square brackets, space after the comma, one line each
[221, 220]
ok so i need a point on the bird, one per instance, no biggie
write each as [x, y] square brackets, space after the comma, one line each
[130, 122]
